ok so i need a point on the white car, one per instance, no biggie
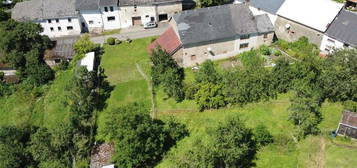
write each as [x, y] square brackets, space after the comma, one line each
[150, 25]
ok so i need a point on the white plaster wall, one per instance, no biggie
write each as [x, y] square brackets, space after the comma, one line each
[328, 44]
[92, 15]
[63, 23]
[126, 13]
[256, 11]
[109, 25]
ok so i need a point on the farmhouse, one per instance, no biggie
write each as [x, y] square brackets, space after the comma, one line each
[297, 18]
[62, 50]
[342, 32]
[214, 33]
[57, 17]
[269, 7]
[71, 17]
[348, 125]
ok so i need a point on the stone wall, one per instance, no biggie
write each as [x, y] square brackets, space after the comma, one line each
[296, 31]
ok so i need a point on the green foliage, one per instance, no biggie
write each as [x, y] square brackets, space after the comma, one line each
[350, 105]
[208, 3]
[300, 48]
[140, 140]
[207, 73]
[85, 45]
[190, 90]
[262, 136]
[24, 47]
[13, 151]
[265, 50]
[251, 59]
[210, 96]
[4, 16]
[166, 72]
[339, 75]
[111, 40]
[233, 145]
[283, 75]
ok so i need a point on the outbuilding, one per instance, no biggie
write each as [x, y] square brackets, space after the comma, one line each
[348, 124]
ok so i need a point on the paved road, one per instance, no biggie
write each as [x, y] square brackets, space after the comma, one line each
[133, 33]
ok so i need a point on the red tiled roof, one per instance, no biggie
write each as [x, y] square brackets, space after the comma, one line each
[349, 118]
[168, 42]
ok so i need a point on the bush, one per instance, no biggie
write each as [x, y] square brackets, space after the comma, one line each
[277, 53]
[2, 75]
[265, 50]
[262, 135]
[117, 41]
[111, 40]
[128, 40]
[350, 105]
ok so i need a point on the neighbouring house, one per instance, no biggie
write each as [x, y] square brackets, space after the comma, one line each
[62, 50]
[348, 125]
[57, 17]
[214, 33]
[71, 17]
[309, 18]
[342, 33]
[88, 61]
[259, 7]
[98, 15]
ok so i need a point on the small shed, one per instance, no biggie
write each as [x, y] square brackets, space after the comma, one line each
[62, 50]
[348, 124]
[88, 61]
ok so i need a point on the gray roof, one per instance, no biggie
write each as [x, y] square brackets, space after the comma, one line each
[87, 4]
[219, 22]
[43, 9]
[344, 28]
[108, 3]
[271, 6]
[145, 2]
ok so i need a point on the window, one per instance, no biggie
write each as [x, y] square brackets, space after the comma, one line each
[111, 9]
[106, 9]
[69, 20]
[331, 41]
[91, 22]
[265, 35]
[59, 28]
[146, 16]
[135, 8]
[346, 45]
[326, 49]
[193, 57]
[243, 45]
[57, 61]
[69, 27]
[51, 28]
[57, 20]
[49, 21]
[243, 37]
[111, 18]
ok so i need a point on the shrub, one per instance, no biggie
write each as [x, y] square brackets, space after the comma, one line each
[262, 135]
[277, 53]
[265, 50]
[128, 40]
[117, 41]
[111, 40]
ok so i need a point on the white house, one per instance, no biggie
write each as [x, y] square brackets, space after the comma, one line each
[71, 17]
[341, 33]
[259, 7]
[57, 17]
[98, 15]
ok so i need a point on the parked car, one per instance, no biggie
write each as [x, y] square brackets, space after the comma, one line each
[150, 25]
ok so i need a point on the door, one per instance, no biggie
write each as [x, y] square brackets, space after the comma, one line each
[136, 20]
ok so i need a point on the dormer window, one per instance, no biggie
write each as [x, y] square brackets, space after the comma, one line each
[106, 9]
[111, 9]
[57, 20]
[49, 21]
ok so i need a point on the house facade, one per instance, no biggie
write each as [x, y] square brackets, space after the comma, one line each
[214, 33]
[71, 17]
[342, 33]
[57, 17]
[307, 18]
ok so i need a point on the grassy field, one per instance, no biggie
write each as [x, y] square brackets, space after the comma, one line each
[120, 64]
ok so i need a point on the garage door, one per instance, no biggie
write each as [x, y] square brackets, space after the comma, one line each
[136, 20]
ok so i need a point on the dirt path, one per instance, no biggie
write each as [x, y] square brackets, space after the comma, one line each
[321, 154]
[148, 81]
